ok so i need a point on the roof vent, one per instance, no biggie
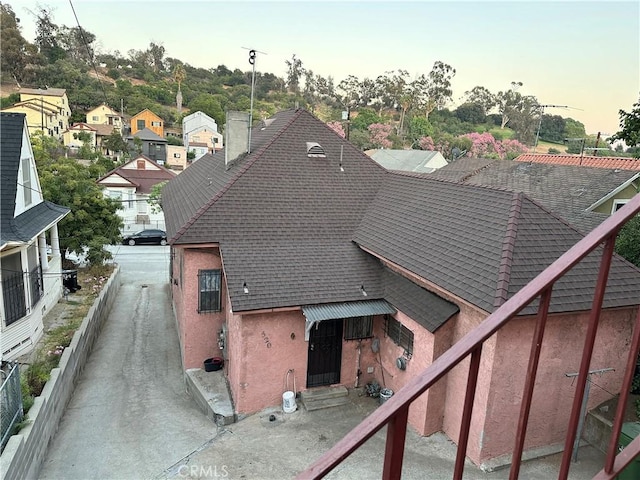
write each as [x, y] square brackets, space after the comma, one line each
[315, 150]
[267, 123]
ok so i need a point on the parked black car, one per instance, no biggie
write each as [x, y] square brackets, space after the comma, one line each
[149, 237]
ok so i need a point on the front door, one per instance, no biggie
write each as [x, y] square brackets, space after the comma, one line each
[325, 353]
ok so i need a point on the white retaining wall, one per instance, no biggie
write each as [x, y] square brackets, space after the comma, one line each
[23, 456]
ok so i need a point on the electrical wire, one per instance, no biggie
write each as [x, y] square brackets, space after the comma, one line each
[89, 52]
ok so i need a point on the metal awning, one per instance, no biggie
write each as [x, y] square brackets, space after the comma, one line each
[329, 311]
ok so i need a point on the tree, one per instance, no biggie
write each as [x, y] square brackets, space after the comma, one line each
[552, 128]
[115, 143]
[523, 119]
[628, 241]
[76, 42]
[380, 135]
[295, 71]
[209, 104]
[15, 52]
[629, 127]
[155, 197]
[471, 113]
[92, 222]
[507, 101]
[574, 129]
[47, 36]
[481, 96]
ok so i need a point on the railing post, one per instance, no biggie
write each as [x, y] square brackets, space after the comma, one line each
[465, 422]
[624, 396]
[592, 329]
[527, 394]
[394, 449]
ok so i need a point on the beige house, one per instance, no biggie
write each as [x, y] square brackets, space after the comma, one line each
[70, 137]
[176, 157]
[204, 135]
[45, 109]
[105, 115]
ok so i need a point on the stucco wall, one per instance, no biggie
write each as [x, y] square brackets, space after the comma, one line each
[456, 382]
[264, 347]
[198, 332]
[553, 395]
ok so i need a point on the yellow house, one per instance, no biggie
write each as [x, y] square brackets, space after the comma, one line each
[147, 119]
[105, 115]
[176, 157]
[70, 136]
[45, 109]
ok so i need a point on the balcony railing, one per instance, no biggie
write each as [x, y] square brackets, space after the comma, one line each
[394, 412]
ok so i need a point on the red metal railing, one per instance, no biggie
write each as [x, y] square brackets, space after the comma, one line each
[394, 412]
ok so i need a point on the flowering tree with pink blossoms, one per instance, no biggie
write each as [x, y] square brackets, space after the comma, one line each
[337, 127]
[380, 135]
[484, 145]
[481, 145]
[513, 148]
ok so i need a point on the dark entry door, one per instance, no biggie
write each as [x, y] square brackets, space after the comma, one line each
[325, 353]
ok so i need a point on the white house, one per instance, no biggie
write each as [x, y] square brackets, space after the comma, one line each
[31, 277]
[199, 127]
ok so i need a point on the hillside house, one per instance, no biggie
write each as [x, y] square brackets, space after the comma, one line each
[148, 143]
[305, 256]
[31, 277]
[146, 119]
[45, 109]
[201, 128]
[131, 185]
[71, 137]
[105, 115]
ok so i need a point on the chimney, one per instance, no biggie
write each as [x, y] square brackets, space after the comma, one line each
[236, 136]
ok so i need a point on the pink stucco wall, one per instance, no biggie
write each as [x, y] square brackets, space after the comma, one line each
[553, 395]
[198, 332]
[425, 414]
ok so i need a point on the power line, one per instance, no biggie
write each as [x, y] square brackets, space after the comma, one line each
[91, 57]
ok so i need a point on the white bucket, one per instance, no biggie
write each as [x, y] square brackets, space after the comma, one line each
[289, 402]
[385, 394]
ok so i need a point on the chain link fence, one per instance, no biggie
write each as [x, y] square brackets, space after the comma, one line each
[11, 412]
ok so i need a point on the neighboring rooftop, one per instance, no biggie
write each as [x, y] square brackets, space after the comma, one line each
[53, 92]
[585, 161]
[418, 161]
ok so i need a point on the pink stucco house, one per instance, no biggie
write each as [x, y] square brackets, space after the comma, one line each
[303, 256]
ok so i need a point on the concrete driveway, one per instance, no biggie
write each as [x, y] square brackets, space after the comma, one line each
[130, 416]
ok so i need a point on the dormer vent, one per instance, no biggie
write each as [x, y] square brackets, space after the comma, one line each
[315, 150]
[267, 123]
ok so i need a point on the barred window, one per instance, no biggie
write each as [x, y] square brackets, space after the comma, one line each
[209, 291]
[401, 335]
[357, 328]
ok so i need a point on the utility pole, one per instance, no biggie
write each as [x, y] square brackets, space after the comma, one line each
[583, 408]
[542, 107]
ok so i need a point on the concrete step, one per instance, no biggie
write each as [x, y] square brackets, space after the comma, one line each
[324, 397]
[326, 403]
[210, 392]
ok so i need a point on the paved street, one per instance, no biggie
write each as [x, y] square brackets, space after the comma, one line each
[130, 416]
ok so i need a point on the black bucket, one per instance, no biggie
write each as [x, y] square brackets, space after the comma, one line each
[213, 364]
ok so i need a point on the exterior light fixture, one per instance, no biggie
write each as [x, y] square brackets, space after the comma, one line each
[364, 293]
[245, 288]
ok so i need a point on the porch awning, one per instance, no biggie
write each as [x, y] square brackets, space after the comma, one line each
[328, 311]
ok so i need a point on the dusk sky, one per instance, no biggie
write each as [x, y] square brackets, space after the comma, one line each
[585, 55]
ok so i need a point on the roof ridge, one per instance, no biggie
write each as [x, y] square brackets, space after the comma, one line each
[508, 245]
[258, 154]
[476, 171]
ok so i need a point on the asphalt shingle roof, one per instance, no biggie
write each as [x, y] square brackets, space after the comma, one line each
[425, 307]
[286, 225]
[564, 189]
[482, 244]
[143, 179]
[31, 222]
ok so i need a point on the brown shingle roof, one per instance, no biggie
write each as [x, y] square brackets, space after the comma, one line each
[482, 244]
[286, 224]
[144, 180]
[585, 161]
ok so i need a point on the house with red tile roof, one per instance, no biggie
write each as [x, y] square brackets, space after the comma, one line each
[620, 163]
[298, 257]
[131, 185]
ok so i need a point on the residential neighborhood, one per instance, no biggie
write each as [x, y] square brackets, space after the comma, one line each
[335, 270]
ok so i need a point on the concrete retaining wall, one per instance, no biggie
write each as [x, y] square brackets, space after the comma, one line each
[25, 452]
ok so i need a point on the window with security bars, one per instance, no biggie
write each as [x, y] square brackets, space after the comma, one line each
[401, 335]
[209, 291]
[357, 328]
